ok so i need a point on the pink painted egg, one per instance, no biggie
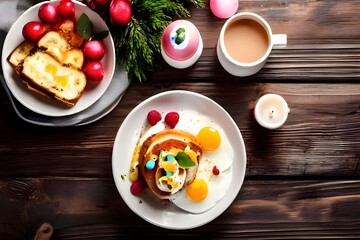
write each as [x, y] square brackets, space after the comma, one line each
[180, 40]
[224, 8]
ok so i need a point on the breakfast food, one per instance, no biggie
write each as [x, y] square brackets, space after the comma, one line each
[19, 54]
[171, 119]
[188, 164]
[42, 73]
[50, 60]
[51, 67]
[177, 154]
[153, 117]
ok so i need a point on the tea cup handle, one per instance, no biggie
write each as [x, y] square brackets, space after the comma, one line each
[279, 40]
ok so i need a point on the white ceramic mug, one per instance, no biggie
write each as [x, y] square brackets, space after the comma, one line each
[242, 69]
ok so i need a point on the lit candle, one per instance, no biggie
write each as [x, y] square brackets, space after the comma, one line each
[271, 111]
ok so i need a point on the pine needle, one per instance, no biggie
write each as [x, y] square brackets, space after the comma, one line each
[138, 45]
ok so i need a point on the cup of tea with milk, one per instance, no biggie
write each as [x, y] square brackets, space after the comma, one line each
[245, 43]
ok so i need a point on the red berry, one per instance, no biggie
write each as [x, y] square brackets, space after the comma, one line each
[47, 13]
[120, 12]
[33, 31]
[136, 187]
[215, 170]
[94, 50]
[66, 9]
[94, 71]
[153, 117]
[171, 119]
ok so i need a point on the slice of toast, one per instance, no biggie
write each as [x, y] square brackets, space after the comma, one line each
[20, 52]
[43, 73]
[55, 44]
[52, 68]
[73, 58]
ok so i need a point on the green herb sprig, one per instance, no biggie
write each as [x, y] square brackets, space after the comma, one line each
[138, 44]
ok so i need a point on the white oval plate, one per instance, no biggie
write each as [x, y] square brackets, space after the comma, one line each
[44, 105]
[147, 206]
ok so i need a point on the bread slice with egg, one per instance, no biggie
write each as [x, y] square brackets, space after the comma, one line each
[57, 45]
[42, 73]
[171, 141]
[52, 67]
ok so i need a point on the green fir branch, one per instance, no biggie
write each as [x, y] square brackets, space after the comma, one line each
[138, 44]
[197, 3]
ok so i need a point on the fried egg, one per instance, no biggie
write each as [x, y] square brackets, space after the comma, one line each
[207, 189]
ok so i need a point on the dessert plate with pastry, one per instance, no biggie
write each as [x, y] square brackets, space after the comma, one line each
[178, 160]
[44, 63]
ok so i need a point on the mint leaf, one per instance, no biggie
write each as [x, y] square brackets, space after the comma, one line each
[184, 160]
[84, 26]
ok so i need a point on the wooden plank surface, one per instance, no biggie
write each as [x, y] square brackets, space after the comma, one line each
[264, 209]
[320, 137]
[323, 43]
[302, 180]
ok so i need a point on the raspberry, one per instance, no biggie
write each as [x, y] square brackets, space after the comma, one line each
[136, 187]
[172, 118]
[215, 170]
[153, 117]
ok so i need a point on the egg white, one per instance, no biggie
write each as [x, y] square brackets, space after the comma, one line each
[217, 188]
[191, 121]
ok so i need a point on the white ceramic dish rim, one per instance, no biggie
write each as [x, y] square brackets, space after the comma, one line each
[47, 106]
[169, 216]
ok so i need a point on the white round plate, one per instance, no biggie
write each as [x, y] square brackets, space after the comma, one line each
[44, 105]
[146, 205]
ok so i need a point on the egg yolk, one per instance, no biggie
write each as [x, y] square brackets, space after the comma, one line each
[208, 138]
[197, 190]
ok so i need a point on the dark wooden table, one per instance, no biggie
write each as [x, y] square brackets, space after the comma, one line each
[302, 180]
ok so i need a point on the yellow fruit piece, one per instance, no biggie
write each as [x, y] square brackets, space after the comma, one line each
[192, 155]
[169, 166]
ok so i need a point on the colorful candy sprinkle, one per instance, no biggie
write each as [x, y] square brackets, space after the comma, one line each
[170, 158]
[150, 165]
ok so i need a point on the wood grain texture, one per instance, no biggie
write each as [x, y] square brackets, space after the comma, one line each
[323, 43]
[302, 180]
[264, 209]
[320, 137]
[292, 64]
